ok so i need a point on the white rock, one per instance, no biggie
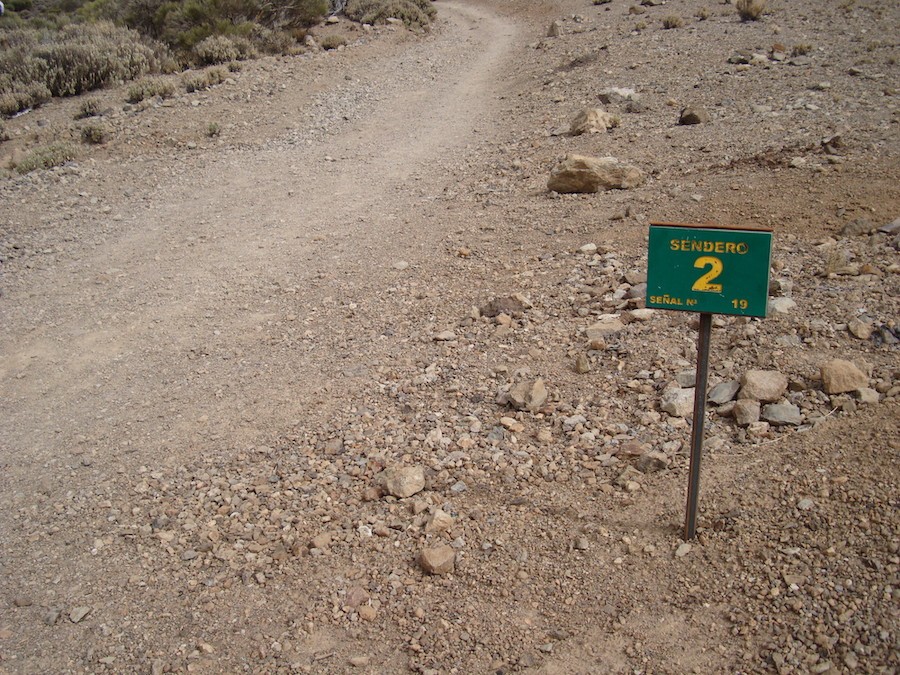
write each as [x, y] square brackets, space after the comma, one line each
[402, 482]
[763, 385]
[781, 305]
[677, 402]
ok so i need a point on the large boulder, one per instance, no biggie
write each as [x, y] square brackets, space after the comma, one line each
[582, 174]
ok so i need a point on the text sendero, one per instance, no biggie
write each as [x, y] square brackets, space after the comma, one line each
[701, 246]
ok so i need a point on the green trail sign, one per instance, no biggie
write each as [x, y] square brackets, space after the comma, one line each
[709, 269]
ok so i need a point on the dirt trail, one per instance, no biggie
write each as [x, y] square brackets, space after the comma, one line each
[204, 263]
[211, 348]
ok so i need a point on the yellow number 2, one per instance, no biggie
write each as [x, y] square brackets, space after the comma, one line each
[715, 269]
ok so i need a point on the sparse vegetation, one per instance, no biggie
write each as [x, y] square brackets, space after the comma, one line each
[703, 14]
[46, 157]
[333, 42]
[149, 88]
[203, 80]
[4, 134]
[76, 59]
[213, 129]
[672, 21]
[90, 107]
[801, 50]
[67, 47]
[413, 13]
[751, 10]
[93, 134]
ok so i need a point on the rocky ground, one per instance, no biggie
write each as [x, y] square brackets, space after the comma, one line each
[346, 388]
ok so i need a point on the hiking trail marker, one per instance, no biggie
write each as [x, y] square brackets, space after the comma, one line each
[709, 269]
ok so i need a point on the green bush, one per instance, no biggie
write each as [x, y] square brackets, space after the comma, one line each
[149, 88]
[46, 157]
[19, 5]
[93, 134]
[414, 13]
[213, 129]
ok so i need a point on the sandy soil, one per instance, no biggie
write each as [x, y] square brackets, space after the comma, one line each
[210, 347]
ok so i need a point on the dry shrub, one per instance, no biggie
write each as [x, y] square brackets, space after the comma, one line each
[90, 107]
[673, 21]
[46, 157]
[73, 60]
[22, 98]
[220, 49]
[149, 88]
[271, 41]
[333, 41]
[90, 56]
[203, 81]
[414, 13]
[94, 134]
[751, 10]
[213, 129]
[4, 134]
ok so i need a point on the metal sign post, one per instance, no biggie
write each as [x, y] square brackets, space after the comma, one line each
[693, 498]
[707, 269]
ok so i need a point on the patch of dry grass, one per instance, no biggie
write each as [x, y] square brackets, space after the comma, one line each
[46, 157]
